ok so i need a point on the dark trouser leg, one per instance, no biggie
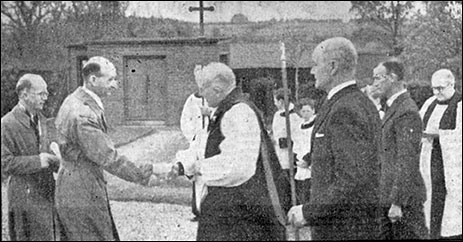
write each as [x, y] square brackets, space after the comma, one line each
[438, 190]
[302, 191]
[385, 225]
[11, 227]
[194, 209]
[412, 226]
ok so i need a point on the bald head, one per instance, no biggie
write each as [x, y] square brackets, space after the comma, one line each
[28, 81]
[335, 62]
[443, 83]
[32, 91]
[339, 49]
[444, 75]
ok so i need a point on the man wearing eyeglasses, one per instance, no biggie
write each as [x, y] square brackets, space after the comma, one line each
[25, 159]
[402, 190]
[441, 157]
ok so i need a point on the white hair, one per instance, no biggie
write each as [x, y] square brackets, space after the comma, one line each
[218, 73]
[443, 74]
[340, 49]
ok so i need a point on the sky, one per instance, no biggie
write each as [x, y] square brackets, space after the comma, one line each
[254, 10]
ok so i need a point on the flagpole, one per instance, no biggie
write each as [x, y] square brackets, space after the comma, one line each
[288, 133]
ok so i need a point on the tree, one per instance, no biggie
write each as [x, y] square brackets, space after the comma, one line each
[434, 41]
[297, 46]
[383, 21]
[239, 18]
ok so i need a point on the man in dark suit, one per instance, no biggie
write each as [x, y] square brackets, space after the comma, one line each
[345, 151]
[402, 190]
[25, 160]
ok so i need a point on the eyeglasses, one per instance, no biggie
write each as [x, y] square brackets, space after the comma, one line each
[379, 77]
[42, 94]
[440, 88]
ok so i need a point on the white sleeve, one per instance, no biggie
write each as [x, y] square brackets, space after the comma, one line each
[190, 120]
[237, 160]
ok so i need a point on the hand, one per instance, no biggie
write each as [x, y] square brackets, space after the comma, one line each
[302, 164]
[47, 159]
[307, 159]
[174, 171]
[395, 213]
[146, 172]
[296, 217]
[205, 111]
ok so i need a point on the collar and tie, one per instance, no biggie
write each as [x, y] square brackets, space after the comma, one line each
[384, 106]
[34, 122]
[34, 119]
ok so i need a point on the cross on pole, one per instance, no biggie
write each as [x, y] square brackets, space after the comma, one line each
[201, 10]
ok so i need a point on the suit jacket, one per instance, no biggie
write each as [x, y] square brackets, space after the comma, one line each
[81, 196]
[345, 161]
[401, 180]
[31, 188]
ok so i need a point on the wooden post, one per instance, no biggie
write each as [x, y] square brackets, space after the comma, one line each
[288, 133]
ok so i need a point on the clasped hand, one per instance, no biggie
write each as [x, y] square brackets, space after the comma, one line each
[146, 172]
[296, 217]
[395, 213]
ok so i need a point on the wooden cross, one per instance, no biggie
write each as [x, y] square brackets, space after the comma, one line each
[201, 10]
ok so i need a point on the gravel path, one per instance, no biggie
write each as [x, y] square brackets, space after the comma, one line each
[139, 221]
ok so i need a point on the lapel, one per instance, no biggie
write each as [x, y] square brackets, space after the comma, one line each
[21, 116]
[395, 107]
[42, 125]
[89, 101]
[327, 104]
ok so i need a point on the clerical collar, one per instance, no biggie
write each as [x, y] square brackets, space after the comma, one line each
[197, 95]
[391, 100]
[94, 96]
[339, 87]
[309, 123]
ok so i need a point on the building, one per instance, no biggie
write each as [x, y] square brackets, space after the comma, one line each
[156, 75]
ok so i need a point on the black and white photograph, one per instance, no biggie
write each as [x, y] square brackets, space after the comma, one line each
[231, 120]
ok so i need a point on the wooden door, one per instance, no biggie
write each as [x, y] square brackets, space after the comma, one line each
[145, 88]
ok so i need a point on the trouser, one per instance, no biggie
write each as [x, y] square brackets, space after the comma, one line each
[412, 225]
[194, 209]
[302, 191]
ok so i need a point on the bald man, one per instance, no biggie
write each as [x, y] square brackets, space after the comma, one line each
[81, 195]
[345, 152]
[441, 157]
[26, 161]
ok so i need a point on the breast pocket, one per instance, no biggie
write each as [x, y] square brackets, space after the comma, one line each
[320, 147]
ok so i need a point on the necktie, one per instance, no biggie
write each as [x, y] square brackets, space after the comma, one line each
[34, 122]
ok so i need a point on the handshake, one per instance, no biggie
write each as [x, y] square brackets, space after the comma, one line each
[49, 161]
[146, 173]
